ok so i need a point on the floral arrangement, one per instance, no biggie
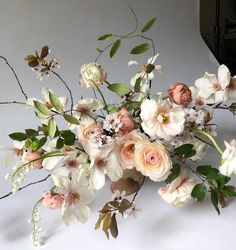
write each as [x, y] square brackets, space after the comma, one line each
[146, 136]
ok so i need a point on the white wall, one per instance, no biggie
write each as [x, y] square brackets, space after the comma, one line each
[71, 28]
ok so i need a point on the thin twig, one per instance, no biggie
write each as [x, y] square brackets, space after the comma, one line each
[13, 102]
[134, 197]
[67, 87]
[17, 79]
[29, 184]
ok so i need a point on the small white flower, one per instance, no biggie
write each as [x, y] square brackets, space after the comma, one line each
[112, 123]
[132, 211]
[217, 87]
[118, 196]
[228, 166]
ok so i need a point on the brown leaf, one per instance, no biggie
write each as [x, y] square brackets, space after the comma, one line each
[30, 58]
[134, 174]
[222, 200]
[44, 51]
[106, 224]
[100, 219]
[33, 64]
[113, 226]
[124, 205]
[128, 185]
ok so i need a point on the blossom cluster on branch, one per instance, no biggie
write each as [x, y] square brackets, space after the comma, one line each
[145, 136]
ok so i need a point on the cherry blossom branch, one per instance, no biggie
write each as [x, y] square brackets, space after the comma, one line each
[13, 102]
[17, 79]
[28, 185]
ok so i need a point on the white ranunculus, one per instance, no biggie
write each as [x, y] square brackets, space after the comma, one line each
[228, 166]
[210, 86]
[160, 119]
[91, 74]
[178, 192]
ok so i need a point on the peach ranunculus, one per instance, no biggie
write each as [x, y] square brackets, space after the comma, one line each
[87, 130]
[125, 148]
[32, 156]
[152, 160]
[127, 123]
[180, 94]
[178, 192]
[52, 201]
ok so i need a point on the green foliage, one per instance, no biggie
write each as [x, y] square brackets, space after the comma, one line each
[52, 128]
[215, 200]
[68, 136]
[140, 49]
[42, 108]
[138, 84]
[115, 47]
[71, 119]
[60, 143]
[119, 88]
[199, 192]
[150, 68]
[105, 37]
[54, 100]
[175, 171]
[31, 133]
[18, 136]
[149, 25]
[112, 108]
[133, 105]
[206, 170]
[185, 150]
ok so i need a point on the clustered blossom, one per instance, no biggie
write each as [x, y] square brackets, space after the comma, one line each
[145, 136]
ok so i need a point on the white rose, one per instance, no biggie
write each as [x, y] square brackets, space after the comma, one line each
[228, 166]
[92, 73]
[178, 192]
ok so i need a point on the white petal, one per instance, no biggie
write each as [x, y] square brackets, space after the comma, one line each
[204, 88]
[51, 162]
[152, 59]
[63, 100]
[97, 179]
[132, 63]
[82, 213]
[45, 93]
[114, 170]
[223, 76]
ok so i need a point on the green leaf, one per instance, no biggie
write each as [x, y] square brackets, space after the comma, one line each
[41, 116]
[42, 142]
[119, 88]
[140, 49]
[113, 226]
[214, 200]
[28, 143]
[112, 108]
[185, 150]
[205, 170]
[31, 133]
[114, 204]
[105, 37]
[137, 84]
[69, 137]
[150, 67]
[71, 119]
[228, 191]
[132, 105]
[54, 100]
[34, 145]
[174, 172]
[42, 108]
[60, 143]
[148, 25]
[52, 127]
[115, 47]
[218, 180]
[199, 192]
[106, 224]
[99, 50]
[18, 136]
[100, 219]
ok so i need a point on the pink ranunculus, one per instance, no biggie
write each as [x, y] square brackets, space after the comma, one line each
[86, 131]
[52, 201]
[127, 123]
[32, 156]
[180, 94]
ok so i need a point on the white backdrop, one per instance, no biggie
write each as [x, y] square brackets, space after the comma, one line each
[71, 28]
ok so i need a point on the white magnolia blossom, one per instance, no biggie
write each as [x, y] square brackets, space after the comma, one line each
[86, 107]
[45, 94]
[210, 86]
[77, 197]
[160, 119]
[178, 192]
[228, 166]
[104, 162]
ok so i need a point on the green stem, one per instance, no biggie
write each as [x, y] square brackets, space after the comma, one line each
[100, 92]
[216, 145]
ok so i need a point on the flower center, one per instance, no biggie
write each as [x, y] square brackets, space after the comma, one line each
[72, 164]
[162, 118]
[82, 110]
[143, 68]
[199, 102]
[72, 198]
[101, 163]
[48, 105]
[152, 158]
[216, 86]
[17, 151]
